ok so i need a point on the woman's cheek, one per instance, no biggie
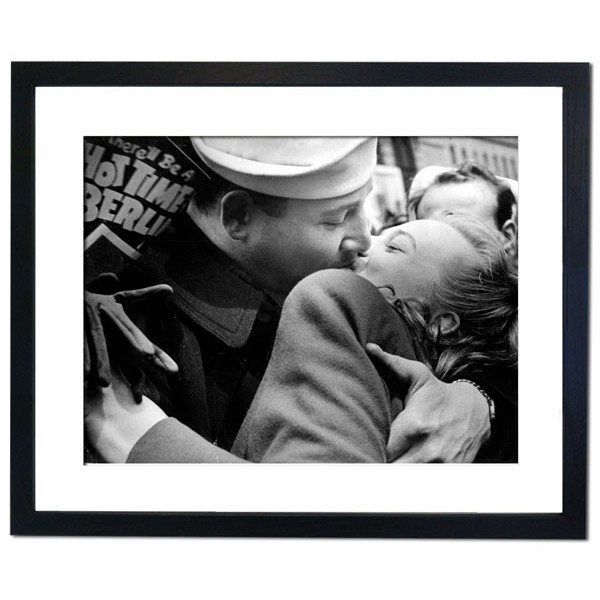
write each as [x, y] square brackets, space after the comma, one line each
[374, 273]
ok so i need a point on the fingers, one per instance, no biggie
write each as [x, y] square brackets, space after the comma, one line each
[409, 374]
[164, 361]
[419, 454]
[143, 293]
[101, 308]
[128, 329]
[410, 442]
[87, 363]
[408, 433]
[138, 340]
[97, 346]
[400, 441]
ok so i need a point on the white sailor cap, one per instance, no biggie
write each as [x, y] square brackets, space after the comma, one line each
[307, 168]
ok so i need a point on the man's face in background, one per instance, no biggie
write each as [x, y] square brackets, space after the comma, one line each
[476, 198]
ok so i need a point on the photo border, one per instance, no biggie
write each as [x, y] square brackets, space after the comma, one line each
[573, 78]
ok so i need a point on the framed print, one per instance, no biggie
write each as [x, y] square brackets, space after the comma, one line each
[527, 124]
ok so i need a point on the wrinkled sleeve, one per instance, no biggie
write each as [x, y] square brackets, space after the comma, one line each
[321, 399]
[170, 441]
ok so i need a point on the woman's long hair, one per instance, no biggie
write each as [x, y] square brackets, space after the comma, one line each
[483, 292]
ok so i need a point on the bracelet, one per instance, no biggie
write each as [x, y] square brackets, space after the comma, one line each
[490, 402]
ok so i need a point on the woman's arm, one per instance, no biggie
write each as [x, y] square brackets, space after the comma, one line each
[321, 399]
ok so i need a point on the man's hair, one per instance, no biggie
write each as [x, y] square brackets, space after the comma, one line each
[210, 191]
[483, 292]
[470, 171]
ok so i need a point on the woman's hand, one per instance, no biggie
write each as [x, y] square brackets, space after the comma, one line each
[441, 422]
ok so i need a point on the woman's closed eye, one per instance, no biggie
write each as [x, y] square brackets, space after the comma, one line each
[401, 242]
[395, 247]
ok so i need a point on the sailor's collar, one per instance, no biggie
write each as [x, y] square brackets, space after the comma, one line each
[208, 286]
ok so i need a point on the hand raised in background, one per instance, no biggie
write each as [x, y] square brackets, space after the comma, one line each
[107, 309]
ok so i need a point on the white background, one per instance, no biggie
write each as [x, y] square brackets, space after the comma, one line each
[123, 568]
[64, 483]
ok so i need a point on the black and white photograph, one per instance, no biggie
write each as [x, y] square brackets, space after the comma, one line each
[301, 299]
[338, 315]
[312, 307]
[257, 359]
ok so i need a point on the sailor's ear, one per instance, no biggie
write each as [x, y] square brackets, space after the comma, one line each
[236, 212]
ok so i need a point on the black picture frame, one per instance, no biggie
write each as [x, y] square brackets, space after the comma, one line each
[572, 78]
